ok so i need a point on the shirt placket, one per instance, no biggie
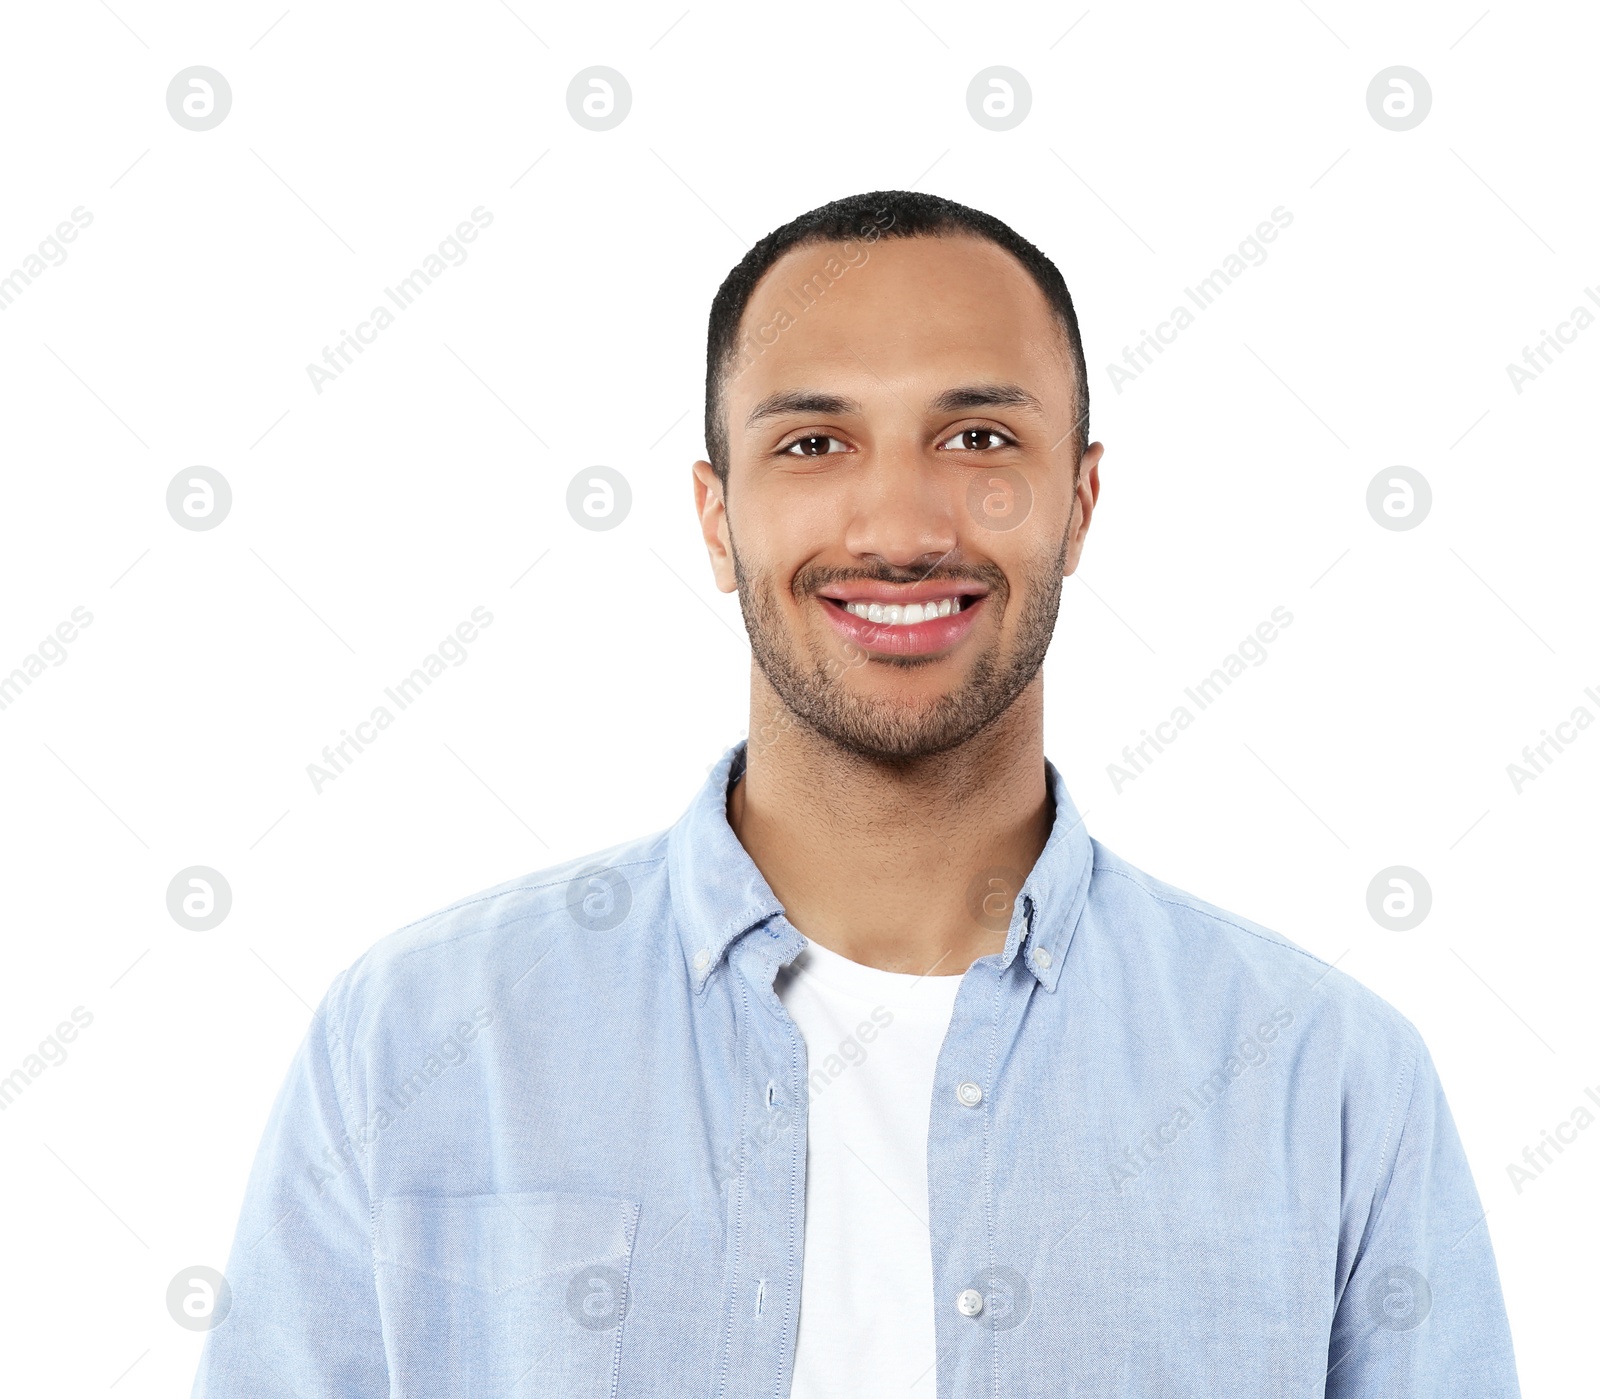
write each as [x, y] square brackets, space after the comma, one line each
[768, 1224]
[972, 1285]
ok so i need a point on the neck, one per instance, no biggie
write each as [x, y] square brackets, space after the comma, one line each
[883, 862]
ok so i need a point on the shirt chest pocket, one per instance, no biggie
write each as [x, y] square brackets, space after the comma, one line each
[510, 1295]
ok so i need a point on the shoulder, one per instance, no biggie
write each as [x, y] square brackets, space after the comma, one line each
[1213, 961]
[563, 919]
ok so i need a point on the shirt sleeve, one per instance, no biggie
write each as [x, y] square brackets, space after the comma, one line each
[1421, 1314]
[302, 1316]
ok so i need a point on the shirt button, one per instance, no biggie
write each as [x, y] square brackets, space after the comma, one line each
[969, 1094]
[970, 1302]
[701, 958]
[1041, 957]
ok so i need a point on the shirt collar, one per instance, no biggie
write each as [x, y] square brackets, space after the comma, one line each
[719, 894]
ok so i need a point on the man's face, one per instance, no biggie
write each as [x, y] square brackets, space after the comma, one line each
[900, 508]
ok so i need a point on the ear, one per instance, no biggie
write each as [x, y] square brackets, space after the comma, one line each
[711, 506]
[1086, 496]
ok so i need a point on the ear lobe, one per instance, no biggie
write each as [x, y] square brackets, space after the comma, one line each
[711, 507]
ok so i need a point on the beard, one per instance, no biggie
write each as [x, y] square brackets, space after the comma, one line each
[810, 681]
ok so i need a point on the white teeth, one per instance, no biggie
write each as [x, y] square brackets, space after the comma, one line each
[893, 614]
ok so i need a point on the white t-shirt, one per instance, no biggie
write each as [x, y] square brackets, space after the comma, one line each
[866, 1291]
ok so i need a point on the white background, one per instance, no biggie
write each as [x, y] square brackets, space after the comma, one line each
[369, 519]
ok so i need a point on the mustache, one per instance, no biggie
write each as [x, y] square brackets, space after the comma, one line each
[809, 580]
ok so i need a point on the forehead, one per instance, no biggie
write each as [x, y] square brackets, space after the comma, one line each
[947, 307]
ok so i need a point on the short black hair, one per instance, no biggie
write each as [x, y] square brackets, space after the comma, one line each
[895, 213]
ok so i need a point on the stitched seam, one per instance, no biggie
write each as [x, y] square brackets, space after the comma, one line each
[1213, 917]
[517, 889]
[524, 917]
[1388, 1131]
[796, 1193]
[736, 1250]
[338, 1071]
[988, 1141]
[630, 1230]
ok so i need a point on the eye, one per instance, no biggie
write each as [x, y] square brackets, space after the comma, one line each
[977, 439]
[816, 444]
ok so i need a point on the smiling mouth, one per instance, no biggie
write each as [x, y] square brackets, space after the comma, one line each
[894, 614]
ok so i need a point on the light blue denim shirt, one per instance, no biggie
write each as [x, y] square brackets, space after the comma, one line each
[552, 1141]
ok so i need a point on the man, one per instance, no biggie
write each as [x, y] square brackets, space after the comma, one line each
[876, 1074]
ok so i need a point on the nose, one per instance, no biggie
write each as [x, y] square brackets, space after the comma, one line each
[902, 512]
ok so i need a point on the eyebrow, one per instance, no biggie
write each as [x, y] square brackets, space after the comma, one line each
[956, 400]
[985, 396]
[801, 401]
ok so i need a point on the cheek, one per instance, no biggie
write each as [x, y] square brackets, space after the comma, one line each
[1033, 569]
[1006, 519]
[777, 528]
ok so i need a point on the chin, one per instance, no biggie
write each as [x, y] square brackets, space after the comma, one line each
[898, 733]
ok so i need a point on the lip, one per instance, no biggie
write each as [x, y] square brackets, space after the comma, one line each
[870, 590]
[917, 639]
